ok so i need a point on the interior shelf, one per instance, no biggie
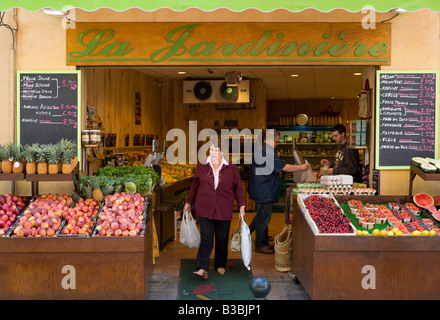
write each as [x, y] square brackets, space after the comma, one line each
[301, 128]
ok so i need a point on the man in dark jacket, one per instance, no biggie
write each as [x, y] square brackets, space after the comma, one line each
[263, 187]
[347, 160]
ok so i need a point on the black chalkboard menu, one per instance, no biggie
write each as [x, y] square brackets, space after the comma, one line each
[406, 117]
[48, 106]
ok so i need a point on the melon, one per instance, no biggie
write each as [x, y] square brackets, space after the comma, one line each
[436, 215]
[424, 200]
[436, 200]
[419, 161]
[427, 167]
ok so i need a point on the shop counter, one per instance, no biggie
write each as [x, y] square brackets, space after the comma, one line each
[364, 267]
[76, 267]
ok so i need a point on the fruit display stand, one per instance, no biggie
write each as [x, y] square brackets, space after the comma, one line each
[11, 176]
[417, 171]
[76, 267]
[36, 178]
[332, 266]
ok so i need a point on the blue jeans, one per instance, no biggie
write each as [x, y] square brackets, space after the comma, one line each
[260, 223]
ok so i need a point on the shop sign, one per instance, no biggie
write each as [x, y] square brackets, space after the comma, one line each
[168, 44]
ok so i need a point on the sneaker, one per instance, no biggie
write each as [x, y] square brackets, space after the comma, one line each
[265, 250]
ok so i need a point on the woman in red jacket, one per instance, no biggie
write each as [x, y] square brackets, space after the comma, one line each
[215, 187]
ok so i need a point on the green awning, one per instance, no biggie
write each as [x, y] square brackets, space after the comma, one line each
[233, 5]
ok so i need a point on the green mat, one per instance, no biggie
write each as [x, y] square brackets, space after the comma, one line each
[233, 285]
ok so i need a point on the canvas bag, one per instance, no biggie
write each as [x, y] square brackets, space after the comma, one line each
[365, 101]
[189, 233]
[235, 242]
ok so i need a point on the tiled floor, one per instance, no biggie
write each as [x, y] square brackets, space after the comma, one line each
[165, 279]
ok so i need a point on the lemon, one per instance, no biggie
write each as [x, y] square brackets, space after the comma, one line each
[390, 233]
[399, 233]
[365, 233]
[425, 233]
[395, 230]
[383, 232]
[376, 232]
[416, 233]
[432, 233]
[359, 232]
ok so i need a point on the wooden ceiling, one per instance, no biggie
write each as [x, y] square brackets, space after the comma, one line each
[338, 82]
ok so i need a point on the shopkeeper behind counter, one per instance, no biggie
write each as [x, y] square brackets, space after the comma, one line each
[347, 160]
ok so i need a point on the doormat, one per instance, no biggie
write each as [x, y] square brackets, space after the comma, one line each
[233, 285]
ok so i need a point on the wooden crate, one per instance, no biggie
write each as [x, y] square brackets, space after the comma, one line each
[339, 267]
[102, 267]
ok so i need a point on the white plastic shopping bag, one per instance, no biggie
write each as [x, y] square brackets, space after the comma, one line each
[189, 233]
[246, 244]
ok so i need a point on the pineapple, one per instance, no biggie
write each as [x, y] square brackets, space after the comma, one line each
[17, 155]
[29, 156]
[67, 161]
[60, 151]
[97, 194]
[74, 162]
[40, 156]
[69, 145]
[53, 158]
[5, 156]
[107, 188]
[83, 182]
[87, 192]
[76, 197]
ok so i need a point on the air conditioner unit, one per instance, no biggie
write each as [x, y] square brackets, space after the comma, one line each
[215, 91]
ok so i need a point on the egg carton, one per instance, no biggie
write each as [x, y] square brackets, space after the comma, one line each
[340, 189]
[364, 191]
[336, 180]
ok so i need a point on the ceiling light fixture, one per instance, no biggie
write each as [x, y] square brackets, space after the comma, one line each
[294, 75]
[357, 73]
[181, 72]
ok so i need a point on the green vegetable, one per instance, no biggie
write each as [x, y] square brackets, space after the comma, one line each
[130, 187]
[144, 178]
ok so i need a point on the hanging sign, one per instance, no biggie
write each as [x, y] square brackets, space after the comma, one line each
[173, 44]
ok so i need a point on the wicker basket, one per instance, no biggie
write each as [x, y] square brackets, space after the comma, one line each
[283, 249]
